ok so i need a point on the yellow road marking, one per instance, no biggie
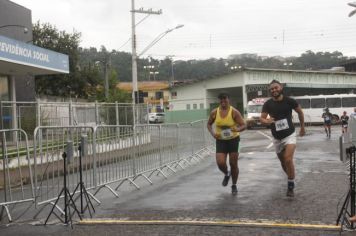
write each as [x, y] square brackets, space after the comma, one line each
[211, 223]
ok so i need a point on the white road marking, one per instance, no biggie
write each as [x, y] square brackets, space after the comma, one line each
[269, 137]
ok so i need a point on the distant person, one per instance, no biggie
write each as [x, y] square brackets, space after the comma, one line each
[228, 125]
[327, 116]
[279, 108]
[353, 114]
[344, 122]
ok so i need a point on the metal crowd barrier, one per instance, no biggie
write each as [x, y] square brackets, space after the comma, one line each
[49, 145]
[185, 142]
[113, 154]
[147, 156]
[113, 147]
[16, 171]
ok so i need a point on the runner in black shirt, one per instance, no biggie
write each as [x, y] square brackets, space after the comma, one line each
[279, 108]
[344, 122]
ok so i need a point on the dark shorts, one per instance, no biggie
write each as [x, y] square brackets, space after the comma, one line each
[227, 146]
[328, 123]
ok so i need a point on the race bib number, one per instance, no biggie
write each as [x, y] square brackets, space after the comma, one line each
[226, 133]
[327, 118]
[281, 125]
[344, 125]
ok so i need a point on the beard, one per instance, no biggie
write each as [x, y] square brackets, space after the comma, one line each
[277, 94]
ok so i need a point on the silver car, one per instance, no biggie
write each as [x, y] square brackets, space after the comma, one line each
[156, 117]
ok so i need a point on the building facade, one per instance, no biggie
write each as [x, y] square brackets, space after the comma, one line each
[20, 60]
[194, 101]
[154, 93]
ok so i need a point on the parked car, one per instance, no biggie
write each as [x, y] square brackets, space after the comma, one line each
[156, 117]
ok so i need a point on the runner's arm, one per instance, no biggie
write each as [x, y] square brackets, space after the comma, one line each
[211, 120]
[301, 119]
[239, 120]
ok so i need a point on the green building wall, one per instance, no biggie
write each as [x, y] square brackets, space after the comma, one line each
[186, 115]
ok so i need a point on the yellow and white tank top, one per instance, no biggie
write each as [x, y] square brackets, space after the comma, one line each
[226, 127]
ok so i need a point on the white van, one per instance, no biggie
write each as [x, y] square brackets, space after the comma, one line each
[253, 112]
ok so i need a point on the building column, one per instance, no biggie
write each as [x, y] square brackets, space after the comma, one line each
[12, 93]
[244, 97]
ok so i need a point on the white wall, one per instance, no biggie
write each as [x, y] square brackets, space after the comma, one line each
[188, 94]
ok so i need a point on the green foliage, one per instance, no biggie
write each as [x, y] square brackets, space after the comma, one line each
[48, 36]
[115, 94]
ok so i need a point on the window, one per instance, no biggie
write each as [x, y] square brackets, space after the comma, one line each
[195, 106]
[318, 103]
[349, 102]
[174, 94]
[159, 95]
[304, 103]
[333, 102]
[201, 106]
[188, 106]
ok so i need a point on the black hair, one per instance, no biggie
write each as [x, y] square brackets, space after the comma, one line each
[275, 82]
[223, 95]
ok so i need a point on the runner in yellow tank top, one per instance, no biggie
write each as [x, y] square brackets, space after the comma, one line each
[226, 127]
[228, 123]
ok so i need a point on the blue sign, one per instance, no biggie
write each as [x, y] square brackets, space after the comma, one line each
[27, 54]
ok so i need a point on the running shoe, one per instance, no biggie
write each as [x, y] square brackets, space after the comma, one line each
[226, 179]
[233, 189]
[290, 190]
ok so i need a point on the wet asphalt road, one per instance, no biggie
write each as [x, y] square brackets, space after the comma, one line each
[196, 194]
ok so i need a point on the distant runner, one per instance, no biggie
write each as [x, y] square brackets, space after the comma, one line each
[279, 108]
[344, 122]
[228, 125]
[353, 114]
[327, 116]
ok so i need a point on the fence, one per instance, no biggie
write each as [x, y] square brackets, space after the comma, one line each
[113, 154]
[16, 171]
[29, 115]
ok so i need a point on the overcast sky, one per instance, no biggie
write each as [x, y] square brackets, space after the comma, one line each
[212, 28]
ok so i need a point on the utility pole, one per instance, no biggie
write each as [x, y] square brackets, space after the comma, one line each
[107, 65]
[134, 47]
[171, 80]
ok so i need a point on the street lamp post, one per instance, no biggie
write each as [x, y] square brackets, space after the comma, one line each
[352, 4]
[134, 46]
[158, 38]
[106, 63]
[154, 73]
[149, 70]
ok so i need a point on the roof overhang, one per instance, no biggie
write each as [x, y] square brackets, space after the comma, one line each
[19, 58]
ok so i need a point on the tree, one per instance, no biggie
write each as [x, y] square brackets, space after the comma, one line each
[49, 37]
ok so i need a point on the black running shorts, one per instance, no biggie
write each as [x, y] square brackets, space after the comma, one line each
[227, 146]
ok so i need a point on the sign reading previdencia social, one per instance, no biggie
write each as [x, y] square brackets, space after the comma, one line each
[28, 54]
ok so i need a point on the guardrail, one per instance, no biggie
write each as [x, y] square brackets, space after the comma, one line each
[113, 155]
[16, 178]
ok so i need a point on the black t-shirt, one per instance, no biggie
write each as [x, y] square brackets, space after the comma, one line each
[344, 119]
[281, 111]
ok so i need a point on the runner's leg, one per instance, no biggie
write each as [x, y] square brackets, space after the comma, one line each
[221, 162]
[233, 158]
[280, 157]
[288, 160]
